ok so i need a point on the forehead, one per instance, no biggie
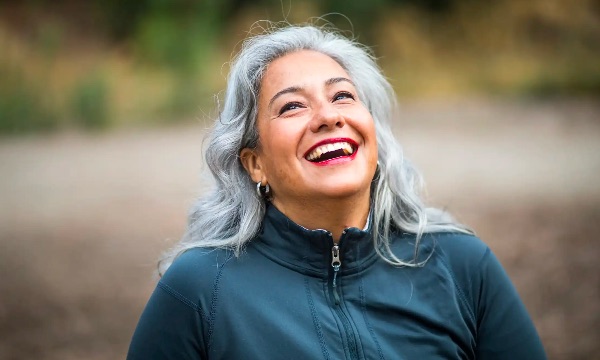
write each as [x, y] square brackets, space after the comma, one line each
[300, 68]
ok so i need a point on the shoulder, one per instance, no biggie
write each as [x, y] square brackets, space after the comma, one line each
[193, 273]
[504, 328]
[451, 247]
[470, 263]
[460, 256]
[457, 247]
[463, 256]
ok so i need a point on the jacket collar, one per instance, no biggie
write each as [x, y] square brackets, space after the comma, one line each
[310, 251]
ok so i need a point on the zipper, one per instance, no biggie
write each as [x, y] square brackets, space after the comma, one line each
[336, 263]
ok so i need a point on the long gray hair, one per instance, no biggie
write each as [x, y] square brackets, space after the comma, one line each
[230, 215]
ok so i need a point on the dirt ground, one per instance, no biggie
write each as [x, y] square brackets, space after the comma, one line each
[84, 217]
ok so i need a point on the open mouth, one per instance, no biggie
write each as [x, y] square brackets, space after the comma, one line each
[330, 151]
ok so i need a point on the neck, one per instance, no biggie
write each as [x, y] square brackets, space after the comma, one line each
[333, 215]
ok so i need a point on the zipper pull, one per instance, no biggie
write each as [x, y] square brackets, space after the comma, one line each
[335, 259]
[335, 263]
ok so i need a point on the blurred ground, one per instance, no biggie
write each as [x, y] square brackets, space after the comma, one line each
[84, 217]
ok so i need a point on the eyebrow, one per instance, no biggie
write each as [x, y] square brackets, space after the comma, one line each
[336, 80]
[295, 89]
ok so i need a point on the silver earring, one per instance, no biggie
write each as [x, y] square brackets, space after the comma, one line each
[260, 191]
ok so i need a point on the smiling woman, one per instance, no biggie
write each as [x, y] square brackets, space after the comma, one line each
[335, 256]
[317, 147]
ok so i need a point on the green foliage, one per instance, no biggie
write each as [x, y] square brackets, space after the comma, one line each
[166, 41]
[90, 103]
[49, 39]
[184, 99]
[571, 83]
[125, 17]
[22, 105]
[162, 57]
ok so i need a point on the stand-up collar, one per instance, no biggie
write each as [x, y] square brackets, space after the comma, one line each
[309, 251]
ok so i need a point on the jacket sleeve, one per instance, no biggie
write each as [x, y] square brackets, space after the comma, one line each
[170, 328]
[505, 330]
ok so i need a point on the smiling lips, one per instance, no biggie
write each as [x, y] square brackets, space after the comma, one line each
[331, 149]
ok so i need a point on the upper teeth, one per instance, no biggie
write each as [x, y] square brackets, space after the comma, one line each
[320, 150]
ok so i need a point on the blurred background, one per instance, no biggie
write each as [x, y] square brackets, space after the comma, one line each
[104, 105]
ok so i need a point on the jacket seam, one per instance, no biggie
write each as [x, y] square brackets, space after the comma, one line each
[460, 292]
[367, 322]
[290, 265]
[214, 301]
[177, 295]
[315, 319]
[480, 266]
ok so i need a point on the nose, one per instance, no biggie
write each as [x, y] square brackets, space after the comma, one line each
[326, 117]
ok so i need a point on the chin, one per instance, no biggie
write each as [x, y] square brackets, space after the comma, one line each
[341, 190]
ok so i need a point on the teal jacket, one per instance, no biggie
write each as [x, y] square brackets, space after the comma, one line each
[294, 294]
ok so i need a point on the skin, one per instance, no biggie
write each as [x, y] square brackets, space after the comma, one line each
[306, 97]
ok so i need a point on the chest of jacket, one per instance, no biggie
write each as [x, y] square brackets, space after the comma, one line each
[262, 309]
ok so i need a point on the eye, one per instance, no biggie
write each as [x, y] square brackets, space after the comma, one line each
[290, 106]
[343, 95]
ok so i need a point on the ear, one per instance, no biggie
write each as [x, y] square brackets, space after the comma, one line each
[252, 163]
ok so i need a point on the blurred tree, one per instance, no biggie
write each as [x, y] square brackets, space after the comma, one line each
[434, 46]
[90, 102]
[123, 16]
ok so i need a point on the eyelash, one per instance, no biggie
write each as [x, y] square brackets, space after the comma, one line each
[346, 94]
[288, 106]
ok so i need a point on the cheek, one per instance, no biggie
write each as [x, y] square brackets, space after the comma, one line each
[367, 127]
[279, 148]
[283, 137]
[373, 134]
[276, 146]
[370, 134]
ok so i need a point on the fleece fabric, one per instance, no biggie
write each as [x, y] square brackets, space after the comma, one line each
[283, 299]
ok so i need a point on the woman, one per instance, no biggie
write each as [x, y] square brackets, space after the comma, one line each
[314, 243]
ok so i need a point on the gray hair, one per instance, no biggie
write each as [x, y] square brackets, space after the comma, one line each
[230, 215]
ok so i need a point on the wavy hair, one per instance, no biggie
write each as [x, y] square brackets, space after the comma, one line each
[230, 214]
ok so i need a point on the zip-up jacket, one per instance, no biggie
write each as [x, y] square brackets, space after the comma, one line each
[296, 294]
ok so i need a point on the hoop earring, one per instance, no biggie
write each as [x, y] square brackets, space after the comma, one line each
[263, 193]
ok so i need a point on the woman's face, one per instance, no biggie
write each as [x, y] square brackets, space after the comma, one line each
[316, 138]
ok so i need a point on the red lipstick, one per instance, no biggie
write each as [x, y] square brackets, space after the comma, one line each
[352, 143]
[332, 156]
